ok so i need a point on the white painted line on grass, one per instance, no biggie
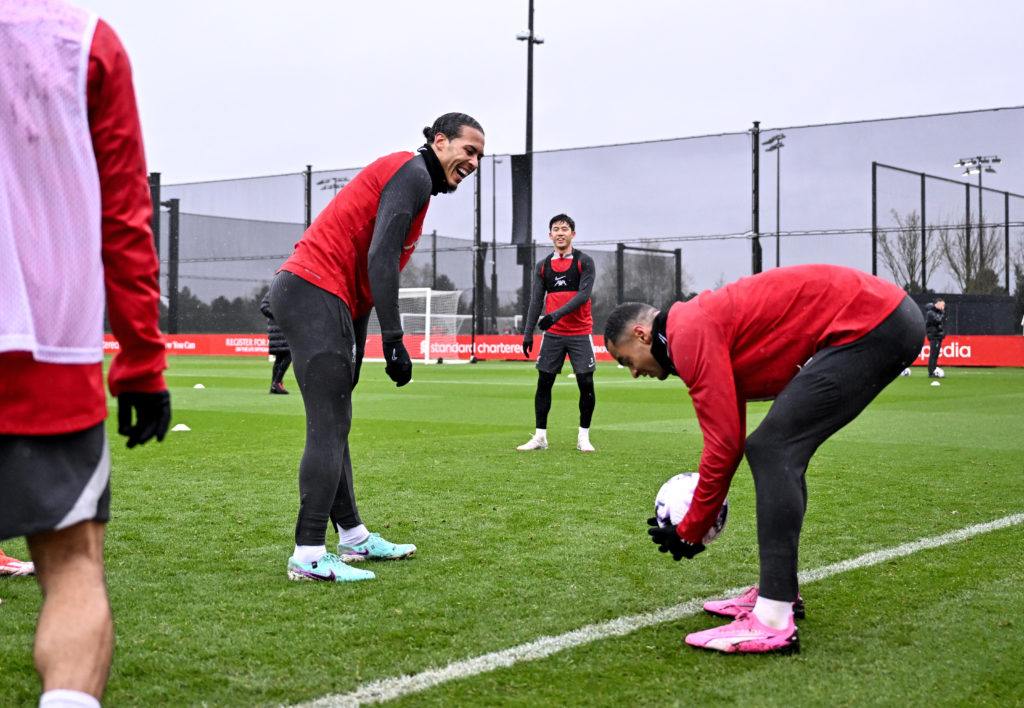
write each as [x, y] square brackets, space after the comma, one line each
[388, 689]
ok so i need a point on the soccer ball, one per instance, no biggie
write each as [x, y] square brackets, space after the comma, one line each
[673, 501]
[905, 372]
[939, 373]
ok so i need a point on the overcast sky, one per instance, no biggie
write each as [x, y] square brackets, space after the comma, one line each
[236, 88]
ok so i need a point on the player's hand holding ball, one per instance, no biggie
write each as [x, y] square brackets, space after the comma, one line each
[398, 365]
[668, 541]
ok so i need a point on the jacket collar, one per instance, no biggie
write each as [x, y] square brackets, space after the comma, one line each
[659, 342]
[439, 183]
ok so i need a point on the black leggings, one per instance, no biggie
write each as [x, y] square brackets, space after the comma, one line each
[829, 392]
[542, 399]
[281, 364]
[934, 348]
[327, 350]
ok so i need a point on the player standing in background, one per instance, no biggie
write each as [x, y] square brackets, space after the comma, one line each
[75, 216]
[822, 341]
[935, 330]
[562, 283]
[347, 262]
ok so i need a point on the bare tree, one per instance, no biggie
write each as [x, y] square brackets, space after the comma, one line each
[650, 278]
[901, 252]
[973, 255]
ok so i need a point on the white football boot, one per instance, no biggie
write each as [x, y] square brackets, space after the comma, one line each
[537, 442]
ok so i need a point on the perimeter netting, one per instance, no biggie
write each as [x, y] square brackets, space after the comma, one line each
[430, 322]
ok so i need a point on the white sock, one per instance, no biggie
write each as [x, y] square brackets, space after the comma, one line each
[584, 434]
[308, 554]
[353, 536]
[774, 613]
[64, 698]
[541, 434]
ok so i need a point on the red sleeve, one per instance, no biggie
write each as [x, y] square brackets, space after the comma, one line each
[129, 256]
[702, 359]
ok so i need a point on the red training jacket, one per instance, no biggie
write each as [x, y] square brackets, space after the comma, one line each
[746, 341]
[333, 252]
[51, 399]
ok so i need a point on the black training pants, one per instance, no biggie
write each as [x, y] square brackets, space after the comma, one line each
[934, 347]
[327, 350]
[829, 392]
[281, 364]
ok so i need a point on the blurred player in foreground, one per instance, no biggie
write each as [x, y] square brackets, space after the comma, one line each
[562, 283]
[75, 234]
[347, 262]
[822, 341]
[13, 566]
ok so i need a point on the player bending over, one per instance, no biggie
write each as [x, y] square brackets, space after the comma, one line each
[820, 340]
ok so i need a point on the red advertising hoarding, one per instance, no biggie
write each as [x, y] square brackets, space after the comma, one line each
[960, 350]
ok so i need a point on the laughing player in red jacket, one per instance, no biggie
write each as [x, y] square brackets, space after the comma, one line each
[347, 264]
[820, 340]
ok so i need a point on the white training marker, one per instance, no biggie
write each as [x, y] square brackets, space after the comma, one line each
[936, 383]
[199, 386]
[181, 426]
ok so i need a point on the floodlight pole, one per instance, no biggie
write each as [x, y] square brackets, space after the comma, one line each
[307, 178]
[494, 241]
[981, 220]
[478, 265]
[755, 202]
[531, 39]
[979, 164]
[154, 195]
[778, 183]
[776, 145]
[173, 240]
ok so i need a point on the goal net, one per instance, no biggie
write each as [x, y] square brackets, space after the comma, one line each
[430, 321]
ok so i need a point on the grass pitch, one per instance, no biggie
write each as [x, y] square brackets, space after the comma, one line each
[518, 546]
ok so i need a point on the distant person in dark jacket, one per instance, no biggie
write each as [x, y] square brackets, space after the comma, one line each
[935, 329]
[278, 346]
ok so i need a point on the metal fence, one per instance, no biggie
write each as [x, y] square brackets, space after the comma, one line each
[724, 201]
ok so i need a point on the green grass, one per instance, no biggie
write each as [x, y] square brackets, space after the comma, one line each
[516, 546]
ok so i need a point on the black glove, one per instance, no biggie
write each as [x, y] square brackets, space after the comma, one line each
[546, 321]
[355, 372]
[397, 363]
[668, 541]
[152, 416]
[527, 345]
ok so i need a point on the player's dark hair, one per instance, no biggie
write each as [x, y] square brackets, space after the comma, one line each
[562, 217]
[622, 316]
[450, 124]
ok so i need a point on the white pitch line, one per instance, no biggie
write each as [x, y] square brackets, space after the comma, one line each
[398, 686]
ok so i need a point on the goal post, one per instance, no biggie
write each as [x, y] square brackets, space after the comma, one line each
[430, 323]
